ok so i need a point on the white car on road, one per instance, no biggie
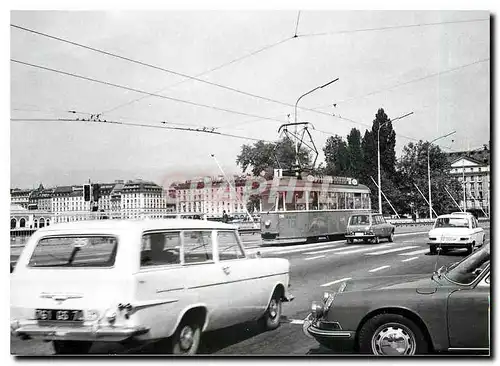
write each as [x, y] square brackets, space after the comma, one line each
[137, 281]
[455, 231]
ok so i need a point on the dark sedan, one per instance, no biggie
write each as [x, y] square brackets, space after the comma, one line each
[448, 311]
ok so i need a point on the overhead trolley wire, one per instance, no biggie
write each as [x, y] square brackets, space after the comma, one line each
[201, 130]
[348, 31]
[155, 67]
[397, 85]
[142, 91]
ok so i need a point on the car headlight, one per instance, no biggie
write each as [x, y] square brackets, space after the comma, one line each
[316, 309]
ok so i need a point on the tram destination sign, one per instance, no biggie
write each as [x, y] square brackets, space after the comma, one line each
[332, 180]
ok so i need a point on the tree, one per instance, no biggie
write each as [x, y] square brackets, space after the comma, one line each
[355, 153]
[412, 167]
[336, 156]
[266, 156]
[388, 174]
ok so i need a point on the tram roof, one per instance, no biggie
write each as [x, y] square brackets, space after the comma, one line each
[284, 182]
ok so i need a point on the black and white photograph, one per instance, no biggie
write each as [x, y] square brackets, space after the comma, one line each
[243, 182]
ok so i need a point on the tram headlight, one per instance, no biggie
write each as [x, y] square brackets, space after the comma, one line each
[267, 223]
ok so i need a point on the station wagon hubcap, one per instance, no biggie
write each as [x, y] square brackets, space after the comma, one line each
[273, 308]
[393, 339]
[186, 338]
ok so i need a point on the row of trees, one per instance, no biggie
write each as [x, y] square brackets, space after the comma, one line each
[357, 157]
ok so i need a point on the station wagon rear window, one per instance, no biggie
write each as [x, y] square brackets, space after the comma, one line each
[360, 220]
[75, 251]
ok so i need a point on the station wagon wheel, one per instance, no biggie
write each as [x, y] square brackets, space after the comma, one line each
[271, 318]
[71, 347]
[391, 334]
[391, 237]
[186, 338]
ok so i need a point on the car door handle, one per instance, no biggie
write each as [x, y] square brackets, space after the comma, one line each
[226, 269]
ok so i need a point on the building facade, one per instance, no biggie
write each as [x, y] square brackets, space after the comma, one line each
[127, 200]
[212, 196]
[472, 170]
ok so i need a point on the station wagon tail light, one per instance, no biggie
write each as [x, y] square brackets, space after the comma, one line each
[14, 324]
[91, 315]
[431, 238]
[110, 315]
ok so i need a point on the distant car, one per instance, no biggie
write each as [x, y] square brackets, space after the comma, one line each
[369, 226]
[456, 231]
[408, 315]
[138, 281]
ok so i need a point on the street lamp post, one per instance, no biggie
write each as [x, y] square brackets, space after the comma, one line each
[378, 158]
[296, 103]
[429, 169]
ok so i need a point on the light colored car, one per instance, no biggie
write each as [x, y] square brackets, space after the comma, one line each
[456, 231]
[137, 281]
[369, 226]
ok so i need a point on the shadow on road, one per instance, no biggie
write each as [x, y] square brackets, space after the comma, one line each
[216, 340]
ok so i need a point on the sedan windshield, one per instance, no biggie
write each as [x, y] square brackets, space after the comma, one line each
[74, 251]
[452, 222]
[466, 271]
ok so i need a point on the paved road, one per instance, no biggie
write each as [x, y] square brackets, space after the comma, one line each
[315, 268]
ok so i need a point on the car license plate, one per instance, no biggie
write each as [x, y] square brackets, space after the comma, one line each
[358, 234]
[59, 315]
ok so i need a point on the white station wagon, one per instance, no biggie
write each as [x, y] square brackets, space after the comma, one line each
[138, 281]
[457, 230]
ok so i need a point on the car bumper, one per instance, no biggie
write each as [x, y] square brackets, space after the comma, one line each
[364, 236]
[33, 330]
[337, 340]
[451, 244]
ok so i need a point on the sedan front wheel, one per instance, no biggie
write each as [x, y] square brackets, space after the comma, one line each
[391, 334]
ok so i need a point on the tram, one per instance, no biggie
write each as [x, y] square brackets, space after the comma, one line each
[310, 208]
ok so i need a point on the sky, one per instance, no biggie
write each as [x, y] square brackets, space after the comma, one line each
[401, 61]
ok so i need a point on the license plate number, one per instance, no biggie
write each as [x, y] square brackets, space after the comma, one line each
[59, 315]
[358, 234]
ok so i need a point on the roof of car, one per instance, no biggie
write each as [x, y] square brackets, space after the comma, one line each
[453, 216]
[140, 224]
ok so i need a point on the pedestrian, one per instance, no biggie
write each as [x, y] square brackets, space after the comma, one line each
[225, 218]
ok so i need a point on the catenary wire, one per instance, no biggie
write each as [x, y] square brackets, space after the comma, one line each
[348, 31]
[397, 85]
[203, 73]
[137, 125]
[142, 91]
[152, 66]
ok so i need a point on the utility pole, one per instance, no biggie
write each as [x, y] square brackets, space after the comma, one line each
[296, 103]
[378, 158]
[429, 169]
